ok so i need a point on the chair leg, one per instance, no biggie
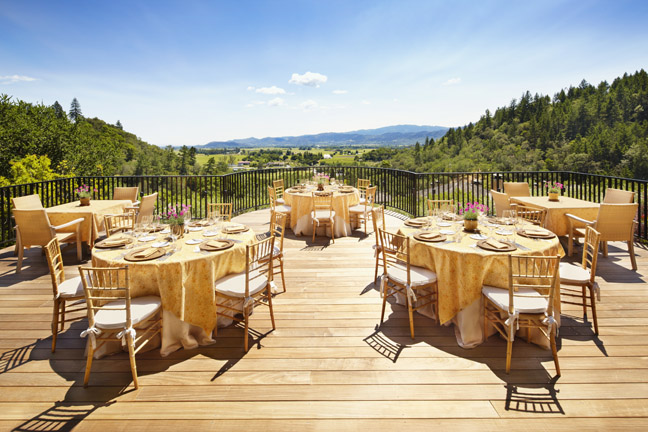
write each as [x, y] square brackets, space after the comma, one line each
[62, 323]
[332, 232]
[55, 324]
[593, 303]
[86, 378]
[570, 243]
[269, 294]
[131, 357]
[411, 316]
[633, 260]
[283, 278]
[554, 350]
[376, 272]
[21, 252]
[584, 298]
[246, 320]
[605, 249]
[384, 304]
[509, 351]
[314, 232]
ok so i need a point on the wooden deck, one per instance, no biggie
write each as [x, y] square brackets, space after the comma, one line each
[327, 366]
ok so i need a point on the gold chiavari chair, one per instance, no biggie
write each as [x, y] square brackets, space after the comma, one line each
[220, 210]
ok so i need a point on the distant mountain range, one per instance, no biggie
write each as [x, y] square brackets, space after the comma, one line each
[389, 136]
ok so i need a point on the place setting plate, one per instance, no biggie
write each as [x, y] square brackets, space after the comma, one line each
[113, 243]
[147, 238]
[194, 241]
[144, 254]
[430, 237]
[216, 245]
[536, 233]
[416, 223]
[496, 245]
[235, 229]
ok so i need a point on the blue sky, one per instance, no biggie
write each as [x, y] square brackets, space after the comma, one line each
[189, 72]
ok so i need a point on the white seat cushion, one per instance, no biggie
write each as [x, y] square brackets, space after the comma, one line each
[357, 209]
[283, 208]
[574, 274]
[142, 308]
[362, 201]
[532, 304]
[322, 214]
[70, 288]
[280, 201]
[276, 252]
[418, 275]
[234, 285]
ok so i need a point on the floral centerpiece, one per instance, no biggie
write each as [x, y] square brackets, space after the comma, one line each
[84, 193]
[175, 217]
[321, 179]
[471, 213]
[553, 189]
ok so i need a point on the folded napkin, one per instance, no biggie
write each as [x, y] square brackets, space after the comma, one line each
[536, 231]
[145, 253]
[235, 227]
[216, 244]
[429, 236]
[496, 244]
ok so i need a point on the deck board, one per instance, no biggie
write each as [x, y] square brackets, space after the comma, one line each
[326, 367]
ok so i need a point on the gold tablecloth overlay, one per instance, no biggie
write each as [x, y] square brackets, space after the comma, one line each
[93, 216]
[462, 270]
[302, 205]
[556, 221]
[185, 280]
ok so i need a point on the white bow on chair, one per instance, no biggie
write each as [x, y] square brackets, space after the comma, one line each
[129, 331]
[93, 332]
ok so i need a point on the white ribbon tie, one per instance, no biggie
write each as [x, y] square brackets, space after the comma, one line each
[122, 335]
[93, 332]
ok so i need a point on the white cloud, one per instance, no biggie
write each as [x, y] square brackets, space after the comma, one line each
[366, 102]
[340, 92]
[452, 81]
[276, 102]
[311, 79]
[10, 79]
[271, 90]
[308, 105]
[250, 88]
[254, 103]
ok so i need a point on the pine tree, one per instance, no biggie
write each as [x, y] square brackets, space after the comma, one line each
[58, 110]
[119, 125]
[75, 111]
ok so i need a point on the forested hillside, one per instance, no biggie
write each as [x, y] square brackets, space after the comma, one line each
[596, 129]
[75, 145]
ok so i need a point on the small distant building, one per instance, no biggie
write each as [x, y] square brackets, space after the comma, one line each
[327, 156]
[243, 163]
[276, 164]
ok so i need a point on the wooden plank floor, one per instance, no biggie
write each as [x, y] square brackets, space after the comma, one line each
[327, 366]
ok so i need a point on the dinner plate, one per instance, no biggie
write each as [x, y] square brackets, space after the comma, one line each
[147, 238]
[165, 231]
[444, 224]
[478, 237]
[193, 241]
[210, 233]
[447, 232]
[222, 244]
[160, 244]
[503, 232]
[425, 237]
[195, 228]
[155, 254]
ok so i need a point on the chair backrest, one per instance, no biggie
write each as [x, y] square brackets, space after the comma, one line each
[378, 219]
[590, 251]
[258, 263]
[220, 210]
[514, 189]
[537, 272]
[531, 214]
[102, 285]
[502, 202]
[278, 227]
[119, 222]
[55, 264]
[27, 202]
[615, 222]
[147, 206]
[34, 227]
[618, 196]
[126, 193]
[272, 196]
[278, 186]
[395, 248]
[440, 205]
[323, 201]
[370, 197]
[363, 184]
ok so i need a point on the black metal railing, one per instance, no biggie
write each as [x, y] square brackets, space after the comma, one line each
[402, 191]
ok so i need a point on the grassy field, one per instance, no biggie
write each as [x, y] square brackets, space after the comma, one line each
[336, 158]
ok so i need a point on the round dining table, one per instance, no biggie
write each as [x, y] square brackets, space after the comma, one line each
[183, 279]
[301, 201]
[463, 268]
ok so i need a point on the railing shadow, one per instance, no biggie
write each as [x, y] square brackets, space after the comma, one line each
[63, 417]
[544, 400]
[16, 357]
